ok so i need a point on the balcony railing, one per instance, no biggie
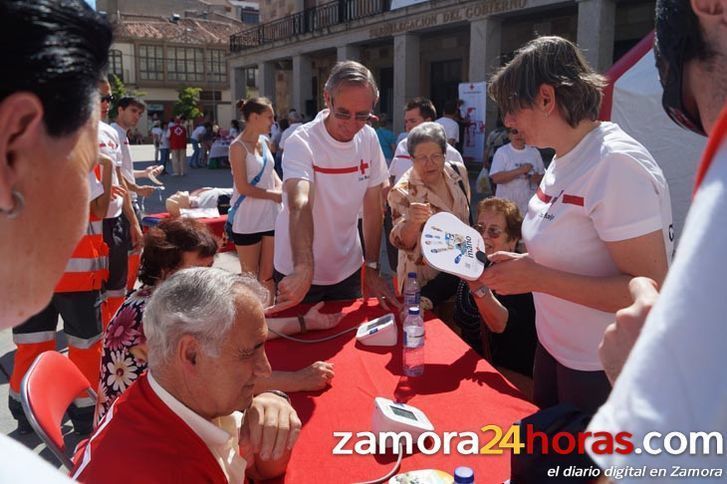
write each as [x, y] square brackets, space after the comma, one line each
[309, 20]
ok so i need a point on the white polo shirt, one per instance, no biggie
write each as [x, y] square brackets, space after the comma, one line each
[341, 172]
[402, 160]
[108, 142]
[606, 189]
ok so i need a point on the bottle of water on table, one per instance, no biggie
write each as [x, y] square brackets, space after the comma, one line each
[412, 294]
[464, 475]
[413, 352]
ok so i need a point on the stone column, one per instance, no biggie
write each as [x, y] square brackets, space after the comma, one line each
[302, 84]
[406, 74]
[485, 47]
[348, 52]
[596, 31]
[266, 79]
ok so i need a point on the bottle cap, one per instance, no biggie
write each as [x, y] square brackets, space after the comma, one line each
[464, 475]
[412, 275]
[414, 310]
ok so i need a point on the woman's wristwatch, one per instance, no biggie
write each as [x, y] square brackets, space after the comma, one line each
[480, 292]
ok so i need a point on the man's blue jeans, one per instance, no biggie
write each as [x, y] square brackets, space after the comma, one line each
[194, 160]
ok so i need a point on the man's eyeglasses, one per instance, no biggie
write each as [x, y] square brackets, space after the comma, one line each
[512, 131]
[492, 231]
[107, 99]
[435, 158]
[346, 116]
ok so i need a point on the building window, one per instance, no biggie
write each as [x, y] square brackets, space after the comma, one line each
[151, 63]
[216, 66]
[116, 63]
[185, 64]
[250, 16]
[250, 74]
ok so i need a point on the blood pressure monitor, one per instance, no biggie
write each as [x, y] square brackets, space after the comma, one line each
[378, 332]
[390, 416]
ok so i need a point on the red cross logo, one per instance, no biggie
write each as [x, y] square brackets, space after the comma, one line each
[363, 166]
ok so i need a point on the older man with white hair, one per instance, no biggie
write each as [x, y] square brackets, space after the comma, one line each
[193, 417]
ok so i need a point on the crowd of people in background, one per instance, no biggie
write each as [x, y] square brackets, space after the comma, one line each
[579, 247]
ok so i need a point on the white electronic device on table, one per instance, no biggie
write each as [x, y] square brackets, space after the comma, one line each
[381, 331]
[390, 416]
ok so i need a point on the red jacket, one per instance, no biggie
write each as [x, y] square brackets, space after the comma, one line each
[177, 137]
[141, 440]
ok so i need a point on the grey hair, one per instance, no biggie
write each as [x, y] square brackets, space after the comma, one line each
[295, 117]
[350, 72]
[426, 132]
[202, 302]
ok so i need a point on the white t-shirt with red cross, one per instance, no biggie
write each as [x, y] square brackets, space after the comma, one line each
[402, 160]
[341, 172]
[606, 189]
[509, 158]
[108, 142]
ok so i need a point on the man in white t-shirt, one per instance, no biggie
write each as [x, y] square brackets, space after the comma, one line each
[517, 170]
[333, 168]
[673, 377]
[196, 137]
[448, 122]
[416, 112]
[156, 136]
[295, 120]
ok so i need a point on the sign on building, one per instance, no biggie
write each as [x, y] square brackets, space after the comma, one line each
[474, 98]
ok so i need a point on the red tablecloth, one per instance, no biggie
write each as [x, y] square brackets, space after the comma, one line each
[216, 225]
[458, 392]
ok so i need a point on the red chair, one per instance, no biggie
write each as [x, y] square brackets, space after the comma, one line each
[48, 389]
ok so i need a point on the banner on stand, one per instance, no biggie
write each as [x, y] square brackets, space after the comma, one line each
[474, 99]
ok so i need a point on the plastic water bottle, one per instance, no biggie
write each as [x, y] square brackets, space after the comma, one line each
[412, 293]
[464, 475]
[413, 354]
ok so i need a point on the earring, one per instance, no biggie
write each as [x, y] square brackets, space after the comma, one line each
[18, 204]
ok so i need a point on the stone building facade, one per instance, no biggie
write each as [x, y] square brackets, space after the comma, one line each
[423, 48]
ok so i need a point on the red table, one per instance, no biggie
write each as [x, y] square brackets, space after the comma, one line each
[216, 225]
[459, 392]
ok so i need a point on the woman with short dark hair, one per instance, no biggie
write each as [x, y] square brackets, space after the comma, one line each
[600, 217]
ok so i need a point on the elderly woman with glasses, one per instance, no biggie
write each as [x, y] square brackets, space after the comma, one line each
[430, 186]
[601, 216]
[497, 326]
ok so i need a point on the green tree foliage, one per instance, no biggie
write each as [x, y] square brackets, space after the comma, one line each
[188, 104]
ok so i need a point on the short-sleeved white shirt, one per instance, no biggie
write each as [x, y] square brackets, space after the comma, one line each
[451, 128]
[286, 134]
[198, 132]
[108, 142]
[673, 380]
[509, 158]
[606, 189]
[95, 188]
[341, 172]
[127, 165]
[402, 160]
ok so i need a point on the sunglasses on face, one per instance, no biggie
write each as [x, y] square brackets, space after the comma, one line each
[107, 99]
[491, 231]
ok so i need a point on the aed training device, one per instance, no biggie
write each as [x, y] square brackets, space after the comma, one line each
[381, 331]
[395, 417]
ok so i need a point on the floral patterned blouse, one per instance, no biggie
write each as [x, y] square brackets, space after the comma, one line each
[410, 188]
[119, 366]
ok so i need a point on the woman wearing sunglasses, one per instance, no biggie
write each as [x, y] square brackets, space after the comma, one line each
[601, 216]
[499, 327]
[428, 187]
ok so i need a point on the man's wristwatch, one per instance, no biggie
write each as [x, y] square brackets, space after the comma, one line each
[279, 393]
[372, 265]
[480, 292]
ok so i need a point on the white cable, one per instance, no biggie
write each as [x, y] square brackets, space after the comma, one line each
[391, 472]
[319, 340]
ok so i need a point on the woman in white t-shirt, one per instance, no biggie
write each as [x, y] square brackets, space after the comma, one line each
[600, 217]
[253, 174]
